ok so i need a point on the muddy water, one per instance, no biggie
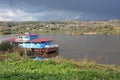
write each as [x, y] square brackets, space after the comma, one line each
[100, 48]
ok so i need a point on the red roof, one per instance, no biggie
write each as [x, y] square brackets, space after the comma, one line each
[33, 40]
[27, 35]
[11, 40]
[40, 40]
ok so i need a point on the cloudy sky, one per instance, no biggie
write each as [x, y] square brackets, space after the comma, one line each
[35, 10]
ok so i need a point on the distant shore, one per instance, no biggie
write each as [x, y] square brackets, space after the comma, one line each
[108, 27]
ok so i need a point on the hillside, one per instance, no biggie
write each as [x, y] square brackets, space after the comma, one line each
[108, 27]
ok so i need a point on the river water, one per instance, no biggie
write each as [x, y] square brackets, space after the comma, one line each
[99, 48]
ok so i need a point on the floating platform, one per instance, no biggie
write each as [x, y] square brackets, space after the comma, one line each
[44, 52]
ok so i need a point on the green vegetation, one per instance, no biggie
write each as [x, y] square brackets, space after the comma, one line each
[15, 67]
[110, 27]
[5, 46]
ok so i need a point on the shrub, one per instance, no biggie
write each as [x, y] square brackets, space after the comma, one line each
[5, 46]
[29, 53]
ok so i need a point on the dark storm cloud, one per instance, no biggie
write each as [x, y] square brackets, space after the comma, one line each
[102, 9]
[102, 6]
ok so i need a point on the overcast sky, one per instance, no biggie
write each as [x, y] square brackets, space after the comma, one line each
[34, 10]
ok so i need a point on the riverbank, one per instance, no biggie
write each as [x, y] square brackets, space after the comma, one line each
[13, 67]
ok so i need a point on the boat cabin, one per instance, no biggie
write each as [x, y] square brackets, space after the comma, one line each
[28, 40]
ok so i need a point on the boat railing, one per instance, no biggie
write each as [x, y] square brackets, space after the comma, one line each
[52, 45]
[20, 40]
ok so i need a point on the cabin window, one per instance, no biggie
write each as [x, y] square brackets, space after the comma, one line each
[43, 43]
[21, 43]
[20, 37]
[26, 36]
[47, 43]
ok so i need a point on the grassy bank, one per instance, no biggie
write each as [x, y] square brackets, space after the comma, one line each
[15, 67]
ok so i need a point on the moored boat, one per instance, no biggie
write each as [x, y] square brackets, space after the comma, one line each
[38, 46]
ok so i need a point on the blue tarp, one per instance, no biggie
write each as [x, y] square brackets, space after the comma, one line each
[38, 58]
